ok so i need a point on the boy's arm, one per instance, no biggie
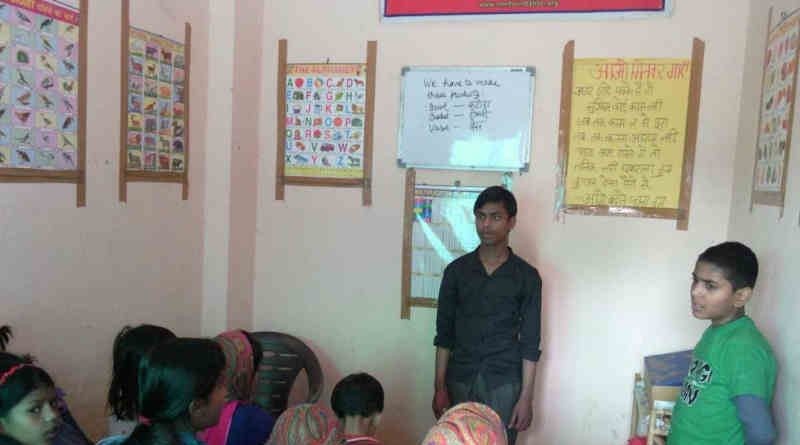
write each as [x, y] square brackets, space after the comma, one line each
[756, 418]
[529, 339]
[445, 339]
[441, 399]
[752, 380]
[523, 410]
[530, 328]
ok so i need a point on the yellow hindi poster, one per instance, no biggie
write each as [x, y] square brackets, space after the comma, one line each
[627, 132]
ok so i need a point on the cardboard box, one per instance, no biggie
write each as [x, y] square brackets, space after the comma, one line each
[664, 374]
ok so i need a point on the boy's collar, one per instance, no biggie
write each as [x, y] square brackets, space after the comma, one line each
[731, 321]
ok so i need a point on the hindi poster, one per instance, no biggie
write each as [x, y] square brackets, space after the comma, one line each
[627, 133]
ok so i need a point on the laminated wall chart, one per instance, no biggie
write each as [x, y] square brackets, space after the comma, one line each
[41, 92]
[439, 227]
[627, 132]
[156, 103]
[443, 230]
[324, 122]
[154, 107]
[627, 135]
[325, 118]
[777, 112]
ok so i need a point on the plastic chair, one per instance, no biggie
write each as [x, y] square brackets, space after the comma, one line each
[284, 357]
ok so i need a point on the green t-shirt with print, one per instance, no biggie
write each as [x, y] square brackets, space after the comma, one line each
[730, 360]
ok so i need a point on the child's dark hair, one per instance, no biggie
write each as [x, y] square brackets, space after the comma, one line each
[173, 375]
[499, 194]
[130, 347]
[5, 336]
[737, 261]
[19, 377]
[258, 351]
[357, 395]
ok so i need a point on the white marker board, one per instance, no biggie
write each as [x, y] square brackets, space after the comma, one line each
[466, 118]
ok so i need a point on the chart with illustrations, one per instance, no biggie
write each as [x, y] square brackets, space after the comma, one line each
[156, 103]
[39, 80]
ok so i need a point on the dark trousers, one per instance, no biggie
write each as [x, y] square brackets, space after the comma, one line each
[501, 399]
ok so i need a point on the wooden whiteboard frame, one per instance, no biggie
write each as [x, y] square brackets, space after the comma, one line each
[528, 145]
[126, 176]
[77, 176]
[681, 214]
[365, 183]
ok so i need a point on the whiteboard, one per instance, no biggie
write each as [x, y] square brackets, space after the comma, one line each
[466, 118]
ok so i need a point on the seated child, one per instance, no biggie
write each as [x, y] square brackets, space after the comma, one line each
[467, 424]
[241, 422]
[357, 401]
[130, 347]
[70, 433]
[727, 393]
[306, 424]
[180, 392]
[29, 413]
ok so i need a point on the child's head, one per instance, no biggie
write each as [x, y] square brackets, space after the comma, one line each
[258, 351]
[358, 395]
[723, 281]
[466, 424]
[180, 382]
[306, 424]
[243, 355]
[5, 336]
[497, 195]
[130, 346]
[495, 215]
[28, 402]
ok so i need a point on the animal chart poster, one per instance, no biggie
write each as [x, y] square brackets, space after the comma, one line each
[627, 132]
[38, 85]
[777, 107]
[156, 103]
[325, 119]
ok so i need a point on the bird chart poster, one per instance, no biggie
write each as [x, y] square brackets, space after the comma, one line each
[325, 120]
[39, 67]
[156, 103]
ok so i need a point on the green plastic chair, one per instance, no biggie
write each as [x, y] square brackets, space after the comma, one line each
[284, 357]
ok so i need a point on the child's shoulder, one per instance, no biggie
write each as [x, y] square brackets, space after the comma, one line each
[745, 336]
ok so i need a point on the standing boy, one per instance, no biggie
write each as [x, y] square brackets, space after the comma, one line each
[488, 321]
[725, 398]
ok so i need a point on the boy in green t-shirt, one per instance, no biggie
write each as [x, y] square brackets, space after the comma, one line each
[725, 398]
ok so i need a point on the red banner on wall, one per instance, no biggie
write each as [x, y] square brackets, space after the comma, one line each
[48, 8]
[428, 8]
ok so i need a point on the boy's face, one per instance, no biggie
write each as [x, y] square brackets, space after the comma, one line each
[493, 223]
[713, 297]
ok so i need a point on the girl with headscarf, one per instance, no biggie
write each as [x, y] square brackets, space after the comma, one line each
[467, 424]
[306, 424]
[241, 422]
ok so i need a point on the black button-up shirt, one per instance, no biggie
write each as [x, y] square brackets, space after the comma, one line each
[489, 322]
